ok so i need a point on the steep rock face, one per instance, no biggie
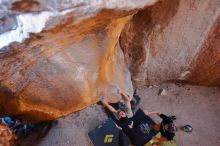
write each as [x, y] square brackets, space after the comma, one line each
[168, 41]
[67, 66]
[55, 73]
[206, 68]
[58, 57]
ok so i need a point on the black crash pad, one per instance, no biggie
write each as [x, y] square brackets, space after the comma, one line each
[107, 134]
[143, 127]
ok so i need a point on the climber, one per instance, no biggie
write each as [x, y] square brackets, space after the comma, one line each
[125, 121]
[167, 127]
[120, 117]
[127, 109]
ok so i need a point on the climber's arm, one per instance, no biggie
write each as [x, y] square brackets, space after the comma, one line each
[107, 105]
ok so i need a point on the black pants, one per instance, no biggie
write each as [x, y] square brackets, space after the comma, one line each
[121, 138]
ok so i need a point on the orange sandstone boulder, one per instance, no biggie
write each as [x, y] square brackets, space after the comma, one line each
[65, 67]
[58, 58]
[7, 138]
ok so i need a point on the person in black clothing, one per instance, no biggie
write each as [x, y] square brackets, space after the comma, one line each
[126, 109]
[122, 116]
[167, 127]
[121, 119]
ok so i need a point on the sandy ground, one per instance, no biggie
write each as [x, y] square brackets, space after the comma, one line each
[195, 105]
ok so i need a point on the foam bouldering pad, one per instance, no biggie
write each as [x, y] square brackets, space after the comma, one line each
[143, 127]
[107, 134]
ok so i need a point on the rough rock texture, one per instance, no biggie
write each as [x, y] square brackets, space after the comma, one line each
[174, 40]
[66, 67]
[7, 138]
[7, 23]
[206, 68]
[55, 76]
[60, 56]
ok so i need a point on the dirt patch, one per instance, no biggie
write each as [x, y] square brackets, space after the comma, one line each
[195, 105]
[72, 130]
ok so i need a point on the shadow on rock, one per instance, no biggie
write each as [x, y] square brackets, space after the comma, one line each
[33, 134]
[13, 132]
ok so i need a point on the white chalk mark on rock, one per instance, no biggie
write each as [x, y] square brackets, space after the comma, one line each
[28, 23]
[183, 75]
